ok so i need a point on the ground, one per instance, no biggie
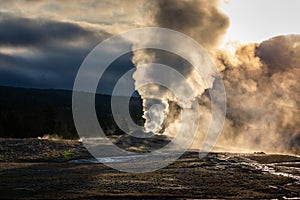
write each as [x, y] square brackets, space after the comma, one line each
[43, 169]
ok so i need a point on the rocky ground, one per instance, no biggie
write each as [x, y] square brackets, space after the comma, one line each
[48, 169]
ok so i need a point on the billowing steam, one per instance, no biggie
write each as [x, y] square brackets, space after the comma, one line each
[261, 80]
[262, 85]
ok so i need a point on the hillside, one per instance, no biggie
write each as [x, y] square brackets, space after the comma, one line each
[35, 112]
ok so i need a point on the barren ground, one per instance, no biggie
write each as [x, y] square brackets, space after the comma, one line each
[43, 169]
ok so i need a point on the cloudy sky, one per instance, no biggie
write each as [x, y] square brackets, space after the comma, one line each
[43, 43]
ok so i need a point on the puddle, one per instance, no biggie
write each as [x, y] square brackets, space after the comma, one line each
[121, 159]
[116, 159]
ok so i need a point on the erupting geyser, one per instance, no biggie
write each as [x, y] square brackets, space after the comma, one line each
[155, 112]
[197, 19]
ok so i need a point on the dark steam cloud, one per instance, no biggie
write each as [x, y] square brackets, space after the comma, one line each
[200, 19]
[280, 53]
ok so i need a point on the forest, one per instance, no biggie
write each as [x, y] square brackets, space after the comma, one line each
[31, 113]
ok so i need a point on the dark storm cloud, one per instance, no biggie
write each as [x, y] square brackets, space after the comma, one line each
[16, 30]
[52, 51]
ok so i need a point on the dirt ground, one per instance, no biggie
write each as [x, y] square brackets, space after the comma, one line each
[43, 169]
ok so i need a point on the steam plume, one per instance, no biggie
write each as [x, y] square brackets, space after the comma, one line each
[200, 20]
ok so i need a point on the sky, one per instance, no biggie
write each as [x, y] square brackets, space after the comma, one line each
[258, 20]
[43, 43]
